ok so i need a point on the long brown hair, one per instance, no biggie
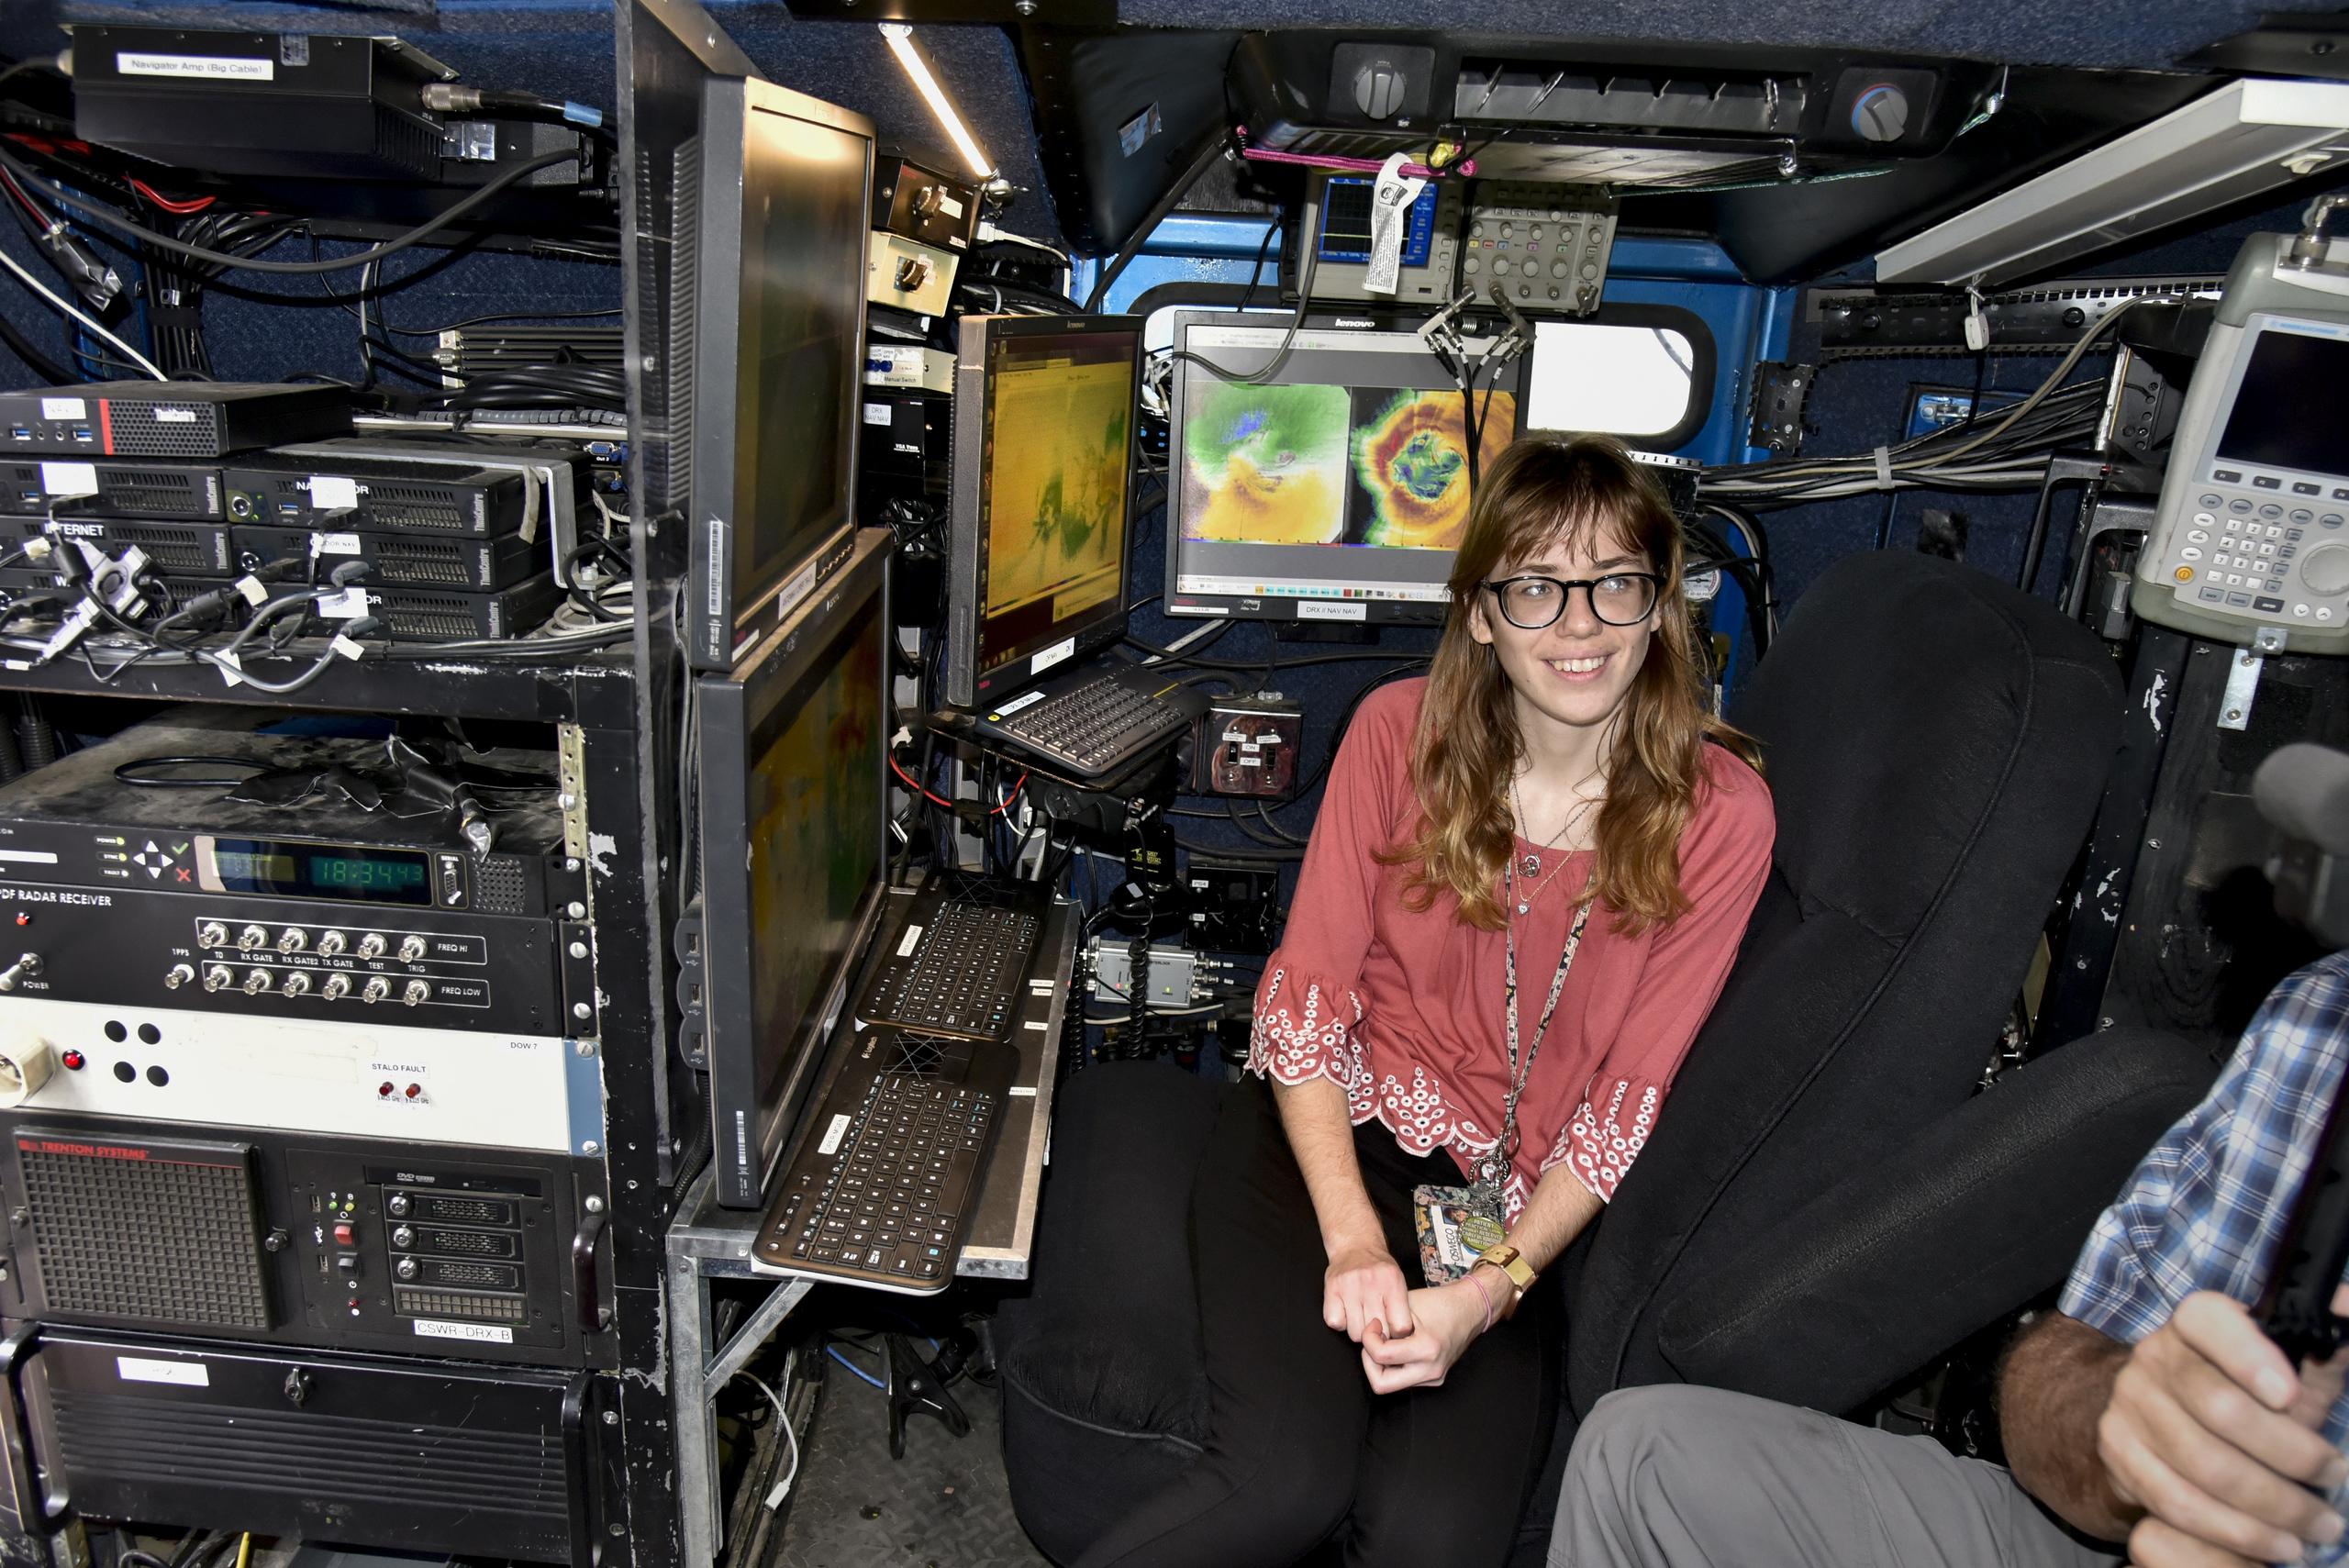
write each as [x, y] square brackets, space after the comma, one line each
[1585, 490]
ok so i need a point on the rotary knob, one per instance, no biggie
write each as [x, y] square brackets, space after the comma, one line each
[2325, 569]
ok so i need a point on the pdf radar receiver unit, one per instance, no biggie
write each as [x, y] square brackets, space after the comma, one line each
[2249, 544]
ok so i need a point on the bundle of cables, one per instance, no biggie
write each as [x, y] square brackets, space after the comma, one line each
[114, 615]
[2011, 452]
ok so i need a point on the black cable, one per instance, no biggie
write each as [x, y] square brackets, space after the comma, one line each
[113, 220]
[500, 315]
[1256, 272]
[40, 365]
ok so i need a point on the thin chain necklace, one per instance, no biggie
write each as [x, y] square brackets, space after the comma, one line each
[1531, 864]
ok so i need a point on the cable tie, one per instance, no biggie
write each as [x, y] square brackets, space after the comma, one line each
[251, 587]
[229, 665]
[1883, 468]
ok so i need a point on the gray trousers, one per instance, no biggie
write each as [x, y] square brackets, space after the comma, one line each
[1682, 1477]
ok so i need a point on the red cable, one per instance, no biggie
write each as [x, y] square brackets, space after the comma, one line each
[181, 208]
[914, 784]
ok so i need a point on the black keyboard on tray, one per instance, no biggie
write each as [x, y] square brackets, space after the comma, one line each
[1092, 725]
[958, 973]
[884, 1197]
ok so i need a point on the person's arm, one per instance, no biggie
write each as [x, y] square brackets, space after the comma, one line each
[1363, 1290]
[1308, 1008]
[2197, 1445]
[1449, 1318]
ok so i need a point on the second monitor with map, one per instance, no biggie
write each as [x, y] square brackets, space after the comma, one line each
[1044, 412]
[1323, 474]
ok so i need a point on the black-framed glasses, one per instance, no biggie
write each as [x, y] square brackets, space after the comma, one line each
[1619, 598]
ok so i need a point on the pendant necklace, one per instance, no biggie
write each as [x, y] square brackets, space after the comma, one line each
[1530, 866]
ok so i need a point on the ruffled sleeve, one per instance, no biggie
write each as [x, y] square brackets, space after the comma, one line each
[1725, 859]
[1309, 1004]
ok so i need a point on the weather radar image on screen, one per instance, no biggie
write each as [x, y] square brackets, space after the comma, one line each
[1338, 490]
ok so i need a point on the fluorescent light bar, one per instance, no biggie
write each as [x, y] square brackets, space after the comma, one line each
[2246, 137]
[901, 44]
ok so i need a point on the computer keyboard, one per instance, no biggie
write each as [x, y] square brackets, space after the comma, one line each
[884, 1195]
[1098, 723]
[964, 975]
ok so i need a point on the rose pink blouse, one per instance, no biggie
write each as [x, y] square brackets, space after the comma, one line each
[1404, 1010]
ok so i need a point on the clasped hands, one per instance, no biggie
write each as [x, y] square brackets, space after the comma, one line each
[1409, 1338]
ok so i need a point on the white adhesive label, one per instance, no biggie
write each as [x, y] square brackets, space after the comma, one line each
[951, 206]
[1037, 1023]
[1323, 610]
[347, 648]
[798, 588]
[208, 67]
[876, 413]
[1029, 700]
[143, 1369]
[1059, 652]
[63, 408]
[229, 665]
[834, 1133]
[334, 544]
[911, 941]
[349, 604]
[69, 478]
[481, 1333]
[330, 493]
[1023, 1092]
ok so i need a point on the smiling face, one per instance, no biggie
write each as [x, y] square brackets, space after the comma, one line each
[1573, 675]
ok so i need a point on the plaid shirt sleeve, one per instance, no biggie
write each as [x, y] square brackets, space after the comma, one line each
[2207, 1209]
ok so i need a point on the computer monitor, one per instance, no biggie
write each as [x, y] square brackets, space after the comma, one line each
[776, 355]
[1045, 413]
[793, 855]
[1338, 489]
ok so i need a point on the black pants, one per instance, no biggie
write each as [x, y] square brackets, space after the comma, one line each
[1299, 1450]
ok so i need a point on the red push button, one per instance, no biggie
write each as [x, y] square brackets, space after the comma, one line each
[345, 1234]
[74, 1061]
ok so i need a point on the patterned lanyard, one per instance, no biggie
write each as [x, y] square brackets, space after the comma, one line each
[1492, 1168]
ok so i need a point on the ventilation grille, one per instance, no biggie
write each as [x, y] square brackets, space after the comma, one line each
[406, 141]
[397, 1464]
[466, 1243]
[418, 507]
[465, 1210]
[155, 1232]
[684, 310]
[136, 433]
[423, 562]
[471, 1276]
[500, 887]
[149, 492]
[443, 1303]
[1525, 92]
[174, 550]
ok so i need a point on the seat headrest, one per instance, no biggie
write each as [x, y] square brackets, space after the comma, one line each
[1884, 769]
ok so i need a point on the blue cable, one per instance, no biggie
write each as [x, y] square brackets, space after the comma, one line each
[834, 1351]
